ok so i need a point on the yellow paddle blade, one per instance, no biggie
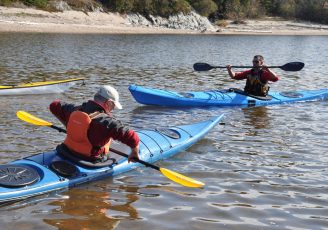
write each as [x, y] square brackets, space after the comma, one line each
[29, 118]
[181, 179]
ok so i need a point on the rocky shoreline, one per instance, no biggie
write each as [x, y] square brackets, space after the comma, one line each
[192, 22]
[69, 21]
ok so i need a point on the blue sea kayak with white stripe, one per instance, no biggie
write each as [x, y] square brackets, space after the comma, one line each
[55, 170]
[229, 97]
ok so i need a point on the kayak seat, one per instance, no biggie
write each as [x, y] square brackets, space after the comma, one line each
[263, 98]
[64, 152]
[64, 169]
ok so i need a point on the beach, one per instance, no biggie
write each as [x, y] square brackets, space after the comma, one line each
[31, 20]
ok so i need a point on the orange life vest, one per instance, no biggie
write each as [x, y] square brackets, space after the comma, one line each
[77, 134]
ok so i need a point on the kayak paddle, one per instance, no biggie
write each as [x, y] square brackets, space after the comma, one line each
[174, 176]
[291, 66]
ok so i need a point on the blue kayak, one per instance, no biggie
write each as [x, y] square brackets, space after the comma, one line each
[56, 170]
[229, 97]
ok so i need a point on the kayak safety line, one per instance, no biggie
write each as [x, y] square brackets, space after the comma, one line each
[184, 131]
[152, 140]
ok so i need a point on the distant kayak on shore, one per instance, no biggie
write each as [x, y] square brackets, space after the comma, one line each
[42, 87]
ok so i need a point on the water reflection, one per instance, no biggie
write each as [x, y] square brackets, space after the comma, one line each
[152, 116]
[88, 209]
[258, 117]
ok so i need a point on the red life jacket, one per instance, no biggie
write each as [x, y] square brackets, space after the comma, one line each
[255, 86]
[77, 139]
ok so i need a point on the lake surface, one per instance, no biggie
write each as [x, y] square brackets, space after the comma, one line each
[264, 168]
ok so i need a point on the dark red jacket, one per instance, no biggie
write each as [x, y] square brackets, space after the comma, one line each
[265, 76]
[102, 128]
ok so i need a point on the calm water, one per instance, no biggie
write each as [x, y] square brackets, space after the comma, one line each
[265, 168]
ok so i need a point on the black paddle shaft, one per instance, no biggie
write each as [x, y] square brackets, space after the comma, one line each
[291, 66]
[140, 161]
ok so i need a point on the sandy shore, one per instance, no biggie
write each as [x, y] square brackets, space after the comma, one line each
[31, 20]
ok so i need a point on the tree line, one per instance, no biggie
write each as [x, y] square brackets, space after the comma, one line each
[308, 10]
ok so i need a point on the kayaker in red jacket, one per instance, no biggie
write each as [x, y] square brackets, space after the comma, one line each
[257, 77]
[91, 126]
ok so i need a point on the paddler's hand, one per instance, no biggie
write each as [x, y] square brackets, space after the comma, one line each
[273, 75]
[134, 155]
[264, 67]
[231, 73]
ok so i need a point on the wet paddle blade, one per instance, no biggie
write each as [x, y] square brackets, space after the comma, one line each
[181, 179]
[293, 66]
[29, 118]
[202, 67]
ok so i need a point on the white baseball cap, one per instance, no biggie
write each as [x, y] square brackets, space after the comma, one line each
[110, 93]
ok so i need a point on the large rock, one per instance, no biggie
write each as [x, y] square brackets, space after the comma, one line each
[191, 21]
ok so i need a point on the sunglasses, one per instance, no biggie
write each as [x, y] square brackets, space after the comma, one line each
[256, 61]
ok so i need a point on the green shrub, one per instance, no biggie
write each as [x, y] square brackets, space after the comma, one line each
[234, 10]
[37, 3]
[163, 8]
[5, 2]
[287, 9]
[181, 6]
[122, 6]
[312, 10]
[253, 9]
[204, 7]
[166, 8]
[145, 7]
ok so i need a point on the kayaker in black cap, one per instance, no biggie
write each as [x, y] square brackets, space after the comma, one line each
[91, 126]
[257, 77]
